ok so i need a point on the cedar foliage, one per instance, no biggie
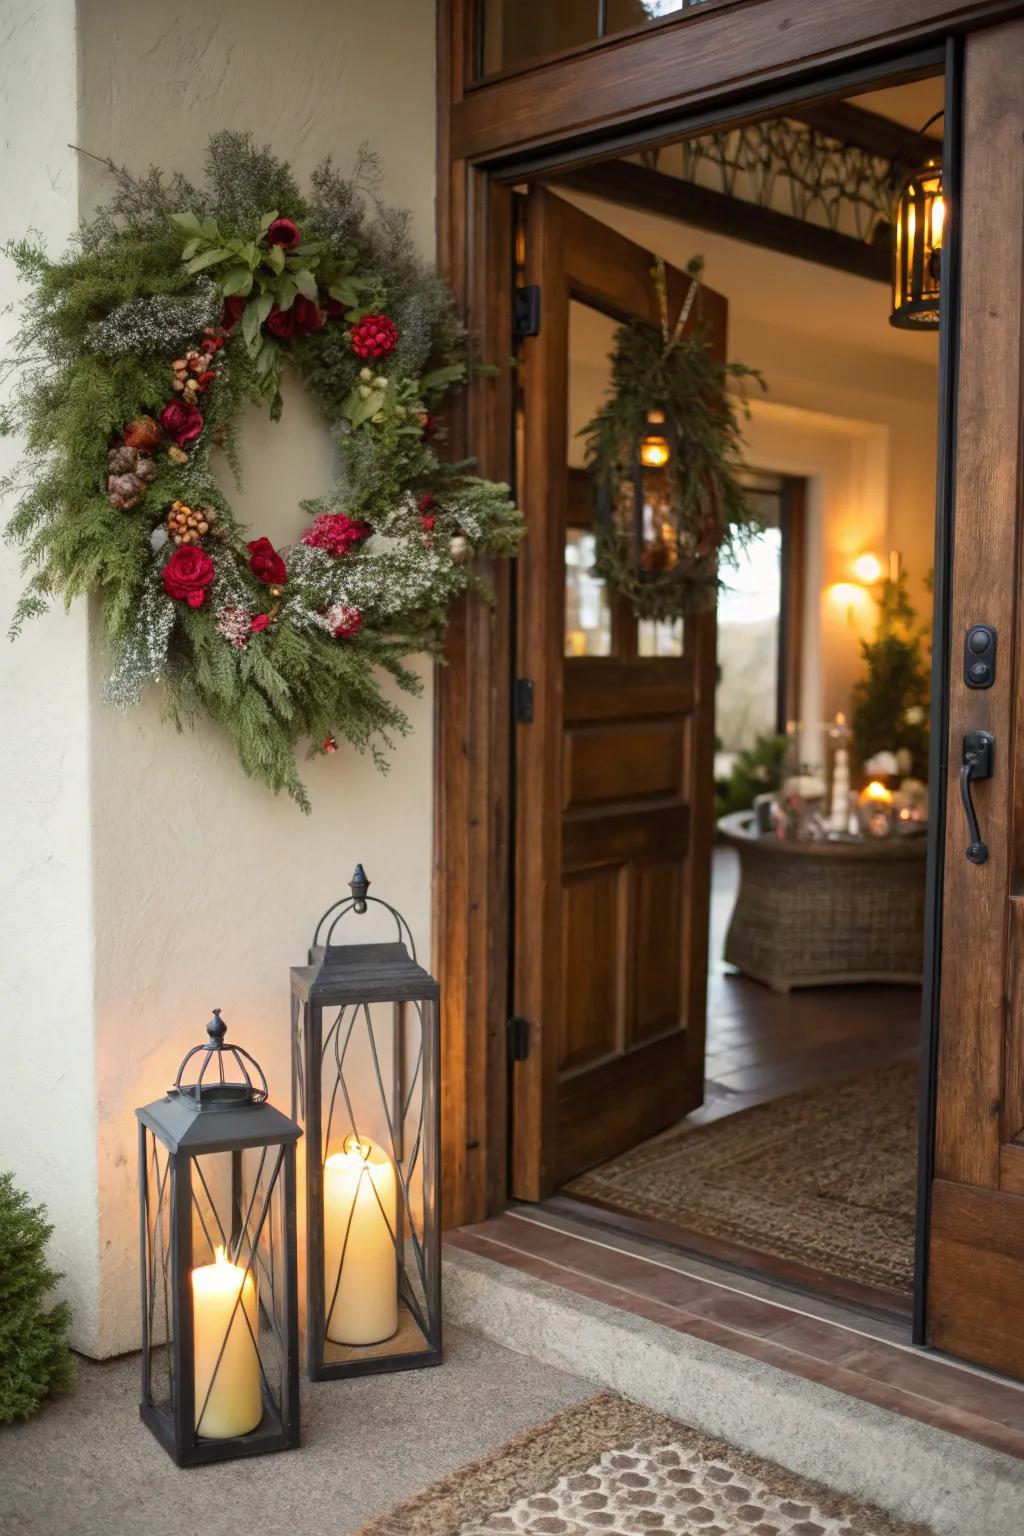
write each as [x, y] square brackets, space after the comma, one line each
[35, 1360]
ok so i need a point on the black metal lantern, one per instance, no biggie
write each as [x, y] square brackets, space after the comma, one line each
[639, 503]
[219, 1261]
[365, 1087]
[918, 233]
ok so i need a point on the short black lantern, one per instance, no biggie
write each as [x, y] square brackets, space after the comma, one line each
[365, 1088]
[919, 228]
[219, 1260]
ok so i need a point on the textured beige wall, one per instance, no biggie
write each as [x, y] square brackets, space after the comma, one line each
[203, 887]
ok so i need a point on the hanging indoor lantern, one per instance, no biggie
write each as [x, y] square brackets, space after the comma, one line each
[643, 499]
[220, 1330]
[365, 1087]
[919, 228]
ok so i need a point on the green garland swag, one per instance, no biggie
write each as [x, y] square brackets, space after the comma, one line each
[175, 307]
[703, 499]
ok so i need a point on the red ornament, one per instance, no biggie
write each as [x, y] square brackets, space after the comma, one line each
[285, 233]
[329, 744]
[187, 575]
[259, 623]
[182, 422]
[142, 433]
[265, 562]
[374, 336]
[335, 533]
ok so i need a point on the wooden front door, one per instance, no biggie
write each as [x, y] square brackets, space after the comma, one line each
[614, 771]
[975, 1270]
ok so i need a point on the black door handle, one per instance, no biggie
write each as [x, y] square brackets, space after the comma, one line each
[976, 763]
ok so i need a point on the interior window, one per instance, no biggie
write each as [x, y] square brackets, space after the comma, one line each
[517, 33]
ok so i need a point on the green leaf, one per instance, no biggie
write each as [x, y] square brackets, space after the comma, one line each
[251, 327]
[190, 249]
[267, 220]
[359, 408]
[441, 378]
[250, 255]
[208, 259]
[274, 258]
[266, 358]
[305, 282]
[237, 281]
[286, 292]
[187, 222]
[209, 229]
[262, 305]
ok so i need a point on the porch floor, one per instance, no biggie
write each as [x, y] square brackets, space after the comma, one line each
[87, 1466]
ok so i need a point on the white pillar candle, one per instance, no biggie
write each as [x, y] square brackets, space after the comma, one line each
[359, 1193]
[235, 1406]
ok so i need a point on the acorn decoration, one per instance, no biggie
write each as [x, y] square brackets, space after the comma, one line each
[129, 472]
[187, 525]
[461, 549]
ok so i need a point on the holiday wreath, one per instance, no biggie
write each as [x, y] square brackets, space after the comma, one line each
[697, 499]
[174, 308]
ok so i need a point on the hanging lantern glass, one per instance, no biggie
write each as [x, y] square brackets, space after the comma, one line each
[220, 1328]
[365, 1087]
[917, 250]
[641, 504]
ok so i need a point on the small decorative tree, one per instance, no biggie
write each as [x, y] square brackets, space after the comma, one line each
[890, 704]
[35, 1360]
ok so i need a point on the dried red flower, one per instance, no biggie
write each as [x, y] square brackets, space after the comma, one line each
[300, 319]
[187, 575]
[182, 423]
[265, 562]
[259, 623]
[285, 233]
[335, 533]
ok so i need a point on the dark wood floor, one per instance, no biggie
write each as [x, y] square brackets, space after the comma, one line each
[761, 1044]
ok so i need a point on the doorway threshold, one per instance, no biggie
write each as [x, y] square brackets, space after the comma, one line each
[604, 1301]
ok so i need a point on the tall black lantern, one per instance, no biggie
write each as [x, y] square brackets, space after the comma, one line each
[220, 1329]
[365, 1088]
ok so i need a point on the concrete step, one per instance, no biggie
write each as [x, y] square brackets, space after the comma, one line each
[914, 1470]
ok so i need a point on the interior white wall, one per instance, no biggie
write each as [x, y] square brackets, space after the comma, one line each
[47, 1114]
[198, 888]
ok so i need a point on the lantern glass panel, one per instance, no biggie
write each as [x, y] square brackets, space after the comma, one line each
[917, 250]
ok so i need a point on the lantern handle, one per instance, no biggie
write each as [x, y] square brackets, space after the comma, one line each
[359, 904]
[215, 1047]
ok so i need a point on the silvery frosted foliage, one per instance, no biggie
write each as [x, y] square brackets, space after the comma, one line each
[141, 657]
[154, 326]
[176, 307]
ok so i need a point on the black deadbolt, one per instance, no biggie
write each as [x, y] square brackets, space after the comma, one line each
[980, 656]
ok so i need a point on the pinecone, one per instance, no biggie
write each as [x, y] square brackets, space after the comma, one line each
[187, 525]
[374, 336]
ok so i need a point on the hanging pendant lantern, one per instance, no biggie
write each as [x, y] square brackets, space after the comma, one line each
[640, 504]
[919, 229]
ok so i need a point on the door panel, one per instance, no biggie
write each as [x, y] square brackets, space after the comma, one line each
[976, 1238]
[614, 774]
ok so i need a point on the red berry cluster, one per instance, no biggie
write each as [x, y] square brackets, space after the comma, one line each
[374, 336]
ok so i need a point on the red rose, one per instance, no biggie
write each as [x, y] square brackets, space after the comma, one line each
[265, 562]
[232, 312]
[335, 533]
[428, 426]
[349, 622]
[332, 308]
[259, 622]
[303, 316]
[187, 575]
[285, 233]
[374, 336]
[182, 423]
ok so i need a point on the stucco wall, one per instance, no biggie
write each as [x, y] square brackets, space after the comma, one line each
[203, 888]
[46, 1061]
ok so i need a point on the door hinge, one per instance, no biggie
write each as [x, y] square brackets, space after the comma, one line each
[524, 701]
[526, 312]
[518, 1038]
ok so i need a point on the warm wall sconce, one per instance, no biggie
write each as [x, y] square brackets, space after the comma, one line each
[868, 569]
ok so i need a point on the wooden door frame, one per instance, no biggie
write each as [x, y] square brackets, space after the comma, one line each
[712, 67]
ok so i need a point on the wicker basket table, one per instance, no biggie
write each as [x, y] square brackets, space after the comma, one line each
[824, 914]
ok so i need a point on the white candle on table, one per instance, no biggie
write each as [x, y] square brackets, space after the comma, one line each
[234, 1406]
[359, 1193]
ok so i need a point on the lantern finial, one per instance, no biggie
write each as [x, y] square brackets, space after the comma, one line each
[216, 1029]
[359, 885]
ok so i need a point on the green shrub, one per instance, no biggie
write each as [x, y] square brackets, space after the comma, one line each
[35, 1359]
[756, 770]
